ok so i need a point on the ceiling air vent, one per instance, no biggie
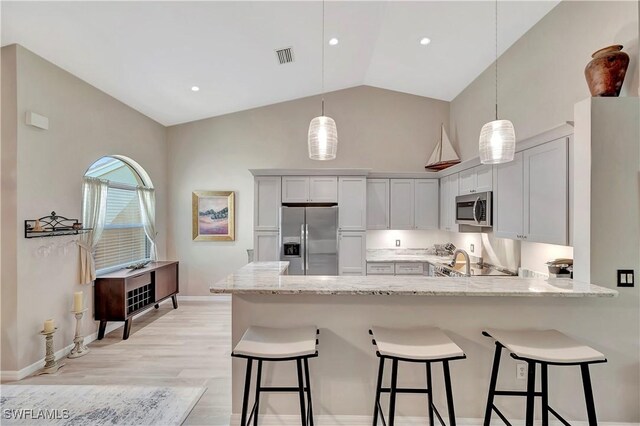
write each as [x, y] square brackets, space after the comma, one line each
[285, 55]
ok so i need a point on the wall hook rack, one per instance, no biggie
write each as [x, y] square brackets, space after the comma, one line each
[53, 226]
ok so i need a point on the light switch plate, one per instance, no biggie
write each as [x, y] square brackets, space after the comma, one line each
[397, 243]
[471, 248]
[626, 278]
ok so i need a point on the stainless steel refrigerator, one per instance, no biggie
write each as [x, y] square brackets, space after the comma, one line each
[309, 240]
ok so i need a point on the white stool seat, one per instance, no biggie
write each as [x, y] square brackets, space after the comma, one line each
[277, 343]
[545, 346]
[421, 344]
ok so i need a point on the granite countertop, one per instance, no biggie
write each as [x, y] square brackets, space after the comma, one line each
[266, 278]
[405, 255]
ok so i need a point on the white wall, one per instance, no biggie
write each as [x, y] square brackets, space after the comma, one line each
[541, 76]
[84, 125]
[377, 129]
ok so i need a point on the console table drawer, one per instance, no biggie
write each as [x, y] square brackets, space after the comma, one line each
[138, 281]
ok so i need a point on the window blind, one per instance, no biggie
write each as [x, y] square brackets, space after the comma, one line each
[123, 240]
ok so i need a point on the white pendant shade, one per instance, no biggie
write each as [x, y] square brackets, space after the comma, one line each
[323, 138]
[497, 142]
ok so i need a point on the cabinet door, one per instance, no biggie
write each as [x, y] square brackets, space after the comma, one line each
[484, 178]
[546, 193]
[377, 203]
[295, 189]
[426, 204]
[323, 189]
[352, 203]
[266, 203]
[444, 197]
[266, 246]
[467, 181]
[352, 259]
[402, 204]
[452, 193]
[508, 198]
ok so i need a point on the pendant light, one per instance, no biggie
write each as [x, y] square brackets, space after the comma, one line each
[498, 137]
[323, 134]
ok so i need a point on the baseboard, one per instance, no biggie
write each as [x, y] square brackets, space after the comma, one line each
[13, 376]
[346, 420]
[217, 297]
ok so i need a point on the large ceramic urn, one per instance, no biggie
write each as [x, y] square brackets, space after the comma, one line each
[605, 73]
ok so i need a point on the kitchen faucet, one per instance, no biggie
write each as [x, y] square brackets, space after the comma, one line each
[466, 258]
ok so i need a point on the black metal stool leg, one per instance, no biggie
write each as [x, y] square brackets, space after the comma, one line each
[588, 395]
[430, 394]
[258, 384]
[531, 388]
[303, 414]
[544, 384]
[309, 401]
[245, 398]
[378, 387]
[447, 386]
[492, 385]
[394, 385]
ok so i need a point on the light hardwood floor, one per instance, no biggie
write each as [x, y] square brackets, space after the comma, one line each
[167, 347]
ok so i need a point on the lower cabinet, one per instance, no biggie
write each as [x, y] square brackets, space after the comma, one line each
[266, 245]
[352, 253]
[399, 268]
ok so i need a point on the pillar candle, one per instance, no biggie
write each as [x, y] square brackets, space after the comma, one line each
[49, 326]
[78, 301]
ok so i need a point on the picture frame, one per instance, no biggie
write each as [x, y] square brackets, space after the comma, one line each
[213, 215]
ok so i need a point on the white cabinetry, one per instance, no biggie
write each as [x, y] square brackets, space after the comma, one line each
[476, 179]
[531, 197]
[352, 250]
[352, 203]
[402, 203]
[305, 189]
[448, 194]
[377, 203]
[266, 246]
[426, 204]
[267, 203]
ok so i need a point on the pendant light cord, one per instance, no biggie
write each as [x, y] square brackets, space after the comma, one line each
[496, 40]
[322, 84]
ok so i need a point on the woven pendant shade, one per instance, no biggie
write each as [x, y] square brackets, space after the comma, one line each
[497, 142]
[323, 138]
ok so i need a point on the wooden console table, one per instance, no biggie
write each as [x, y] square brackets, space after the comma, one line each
[120, 295]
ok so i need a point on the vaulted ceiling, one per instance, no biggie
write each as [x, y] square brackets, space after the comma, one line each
[149, 54]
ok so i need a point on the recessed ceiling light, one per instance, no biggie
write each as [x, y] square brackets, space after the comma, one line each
[333, 41]
[195, 88]
[425, 40]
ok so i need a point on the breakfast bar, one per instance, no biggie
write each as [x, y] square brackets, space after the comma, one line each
[344, 308]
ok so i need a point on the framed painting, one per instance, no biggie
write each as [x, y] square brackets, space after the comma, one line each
[213, 216]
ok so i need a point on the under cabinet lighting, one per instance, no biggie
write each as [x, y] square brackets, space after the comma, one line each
[195, 89]
[425, 40]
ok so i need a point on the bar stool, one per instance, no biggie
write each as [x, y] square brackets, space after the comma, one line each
[274, 345]
[544, 347]
[424, 345]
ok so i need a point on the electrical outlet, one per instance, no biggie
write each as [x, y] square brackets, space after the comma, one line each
[521, 370]
[471, 248]
[397, 243]
[625, 277]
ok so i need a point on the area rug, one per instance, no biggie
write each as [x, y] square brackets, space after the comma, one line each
[96, 405]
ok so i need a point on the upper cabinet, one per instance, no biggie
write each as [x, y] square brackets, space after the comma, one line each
[426, 204]
[305, 189]
[448, 193]
[377, 203]
[531, 195]
[267, 202]
[402, 203]
[476, 179]
[352, 203]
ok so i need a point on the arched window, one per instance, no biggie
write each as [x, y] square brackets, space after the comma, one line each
[123, 240]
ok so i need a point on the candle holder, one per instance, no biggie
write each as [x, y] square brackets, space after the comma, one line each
[50, 364]
[79, 349]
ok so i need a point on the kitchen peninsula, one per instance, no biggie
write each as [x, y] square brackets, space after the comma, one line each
[345, 307]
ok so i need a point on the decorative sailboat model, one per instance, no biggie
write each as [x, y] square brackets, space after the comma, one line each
[443, 155]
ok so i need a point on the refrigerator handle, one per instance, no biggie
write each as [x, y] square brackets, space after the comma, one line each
[306, 248]
[303, 247]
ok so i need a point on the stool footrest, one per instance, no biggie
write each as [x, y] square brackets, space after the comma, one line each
[405, 390]
[282, 389]
[514, 393]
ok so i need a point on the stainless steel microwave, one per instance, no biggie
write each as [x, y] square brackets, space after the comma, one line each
[474, 209]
